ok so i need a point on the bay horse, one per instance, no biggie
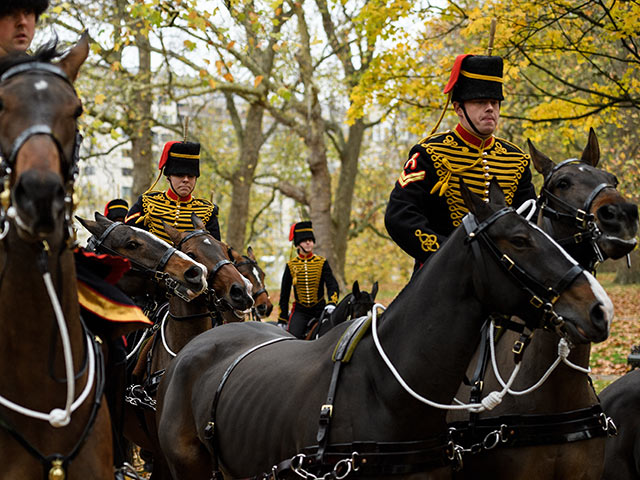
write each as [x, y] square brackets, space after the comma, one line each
[621, 400]
[228, 291]
[355, 304]
[279, 401]
[53, 423]
[248, 266]
[558, 430]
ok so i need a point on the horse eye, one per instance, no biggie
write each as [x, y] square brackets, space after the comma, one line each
[191, 255]
[563, 184]
[131, 245]
[78, 112]
[520, 242]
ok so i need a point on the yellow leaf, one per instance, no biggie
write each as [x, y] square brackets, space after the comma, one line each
[212, 83]
[99, 99]
[257, 81]
[228, 77]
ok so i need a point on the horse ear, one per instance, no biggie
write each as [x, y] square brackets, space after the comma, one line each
[356, 288]
[472, 201]
[250, 253]
[496, 195]
[93, 227]
[197, 222]
[101, 219]
[174, 233]
[591, 153]
[541, 162]
[374, 290]
[70, 64]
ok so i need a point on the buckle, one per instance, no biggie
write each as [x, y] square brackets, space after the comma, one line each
[326, 410]
[518, 347]
[507, 261]
[536, 301]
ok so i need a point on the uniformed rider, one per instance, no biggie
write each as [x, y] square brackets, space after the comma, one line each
[180, 163]
[310, 275]
[425, 205]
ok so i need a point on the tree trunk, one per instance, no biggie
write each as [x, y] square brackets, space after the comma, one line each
[344, 196]
[626, 275]
[251, 140]
[140, 116]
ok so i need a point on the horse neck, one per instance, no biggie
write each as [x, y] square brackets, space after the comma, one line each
[565, 389]
[27, 318]
[430, 330]
[179, 332]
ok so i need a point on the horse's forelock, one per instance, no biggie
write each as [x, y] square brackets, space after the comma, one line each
[45, 53]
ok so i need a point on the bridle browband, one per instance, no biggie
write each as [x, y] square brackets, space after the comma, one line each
[542, 297]
[579, 217]
[7, 161]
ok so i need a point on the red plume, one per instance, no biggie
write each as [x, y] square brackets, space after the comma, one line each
[293, 227]
[455, 72]
[165, 154]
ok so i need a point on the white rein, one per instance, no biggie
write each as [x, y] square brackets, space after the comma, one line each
[59, 417]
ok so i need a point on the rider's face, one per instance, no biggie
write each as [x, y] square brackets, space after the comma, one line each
[307, 245]
[483, 113]
[16, 31]
[183, 185]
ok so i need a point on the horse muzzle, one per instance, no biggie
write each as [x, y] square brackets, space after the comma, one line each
[38, 203]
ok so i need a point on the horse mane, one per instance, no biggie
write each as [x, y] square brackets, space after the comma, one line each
[45, 53]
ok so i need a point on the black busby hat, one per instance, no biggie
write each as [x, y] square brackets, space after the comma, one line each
[180, 158]
[476, 77]
[116, 209]
[300, 232]
[35, 6]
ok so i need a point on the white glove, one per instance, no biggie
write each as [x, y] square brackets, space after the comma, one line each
[329, 308]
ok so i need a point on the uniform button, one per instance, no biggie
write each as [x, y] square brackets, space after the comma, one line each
[486, 175]
[487, 183]
[486, 192]
[486, 167]
[484, 153]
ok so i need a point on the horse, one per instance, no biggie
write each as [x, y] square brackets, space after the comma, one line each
[248, 266]
[558, 430]
[355, 304]
[621, 400]
[183, 321]
[52, 423]
[234, 402]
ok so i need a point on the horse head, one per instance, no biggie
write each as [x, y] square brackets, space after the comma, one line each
[149, 255]
[228, 286]
[555, 293]
[39, 109]
[579, 198]
[248, 266]
[362, 301]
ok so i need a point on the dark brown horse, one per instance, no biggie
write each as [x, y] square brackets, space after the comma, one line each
[621, 400]
[278, 399]
[557, 430]
[356, 303]
[248, 266]
[184, 320]
[49, 365]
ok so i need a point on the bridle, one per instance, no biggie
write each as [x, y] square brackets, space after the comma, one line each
[581, 218]
[156, 273]
[7, 160]
[247, 261]
[217, 303]
[542, 297]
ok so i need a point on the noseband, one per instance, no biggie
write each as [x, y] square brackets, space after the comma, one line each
[213, 299]
[7, 161]
[542, 297]
[580, 217]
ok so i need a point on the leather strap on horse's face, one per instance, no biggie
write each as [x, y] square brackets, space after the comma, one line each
[8, 160]
[247, 261]
[542, 296]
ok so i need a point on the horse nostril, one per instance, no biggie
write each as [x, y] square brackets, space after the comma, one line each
[193, 274]
[599, 317]
[238, 293]
[607, 213]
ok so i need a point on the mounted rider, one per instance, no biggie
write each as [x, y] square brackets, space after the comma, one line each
[425, 205]
[180, 163]
[309, 274]
[116, 210]
[18, 19]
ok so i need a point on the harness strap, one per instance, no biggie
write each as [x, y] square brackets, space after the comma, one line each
[535, 429]
[326, 412]
[209, 431]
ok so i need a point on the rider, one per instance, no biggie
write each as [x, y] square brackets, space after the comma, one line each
[116, 210]
[180, 163]
[309, 274]
[425, 205]
[18, 20]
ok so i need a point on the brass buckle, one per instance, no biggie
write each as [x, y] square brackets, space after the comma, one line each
[506, 259]
[328, 407]
[518, 347]
[536, 301]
